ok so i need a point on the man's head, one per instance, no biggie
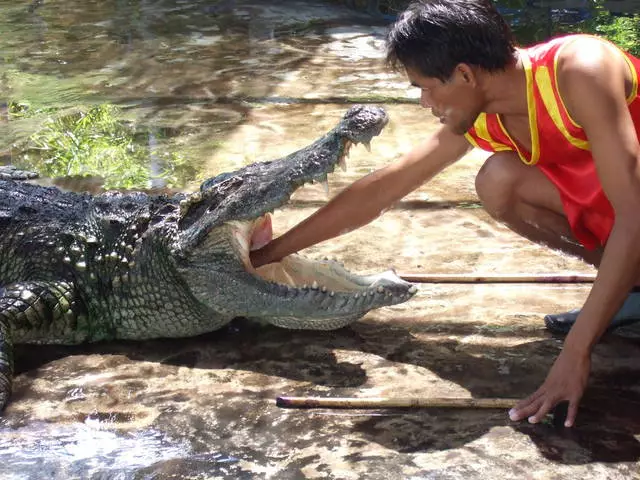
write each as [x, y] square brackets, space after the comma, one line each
[443, 45]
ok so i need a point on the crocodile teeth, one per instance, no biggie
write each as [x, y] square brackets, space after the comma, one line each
[343, 163]
[367, 145]
[325, 186]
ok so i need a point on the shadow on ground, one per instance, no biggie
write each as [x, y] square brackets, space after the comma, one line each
[339, 363]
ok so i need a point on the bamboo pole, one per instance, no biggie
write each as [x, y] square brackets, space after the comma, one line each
[398, 402]
[496, 278]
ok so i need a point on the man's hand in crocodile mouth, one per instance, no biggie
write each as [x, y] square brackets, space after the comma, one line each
[261, 230]
[262, 233]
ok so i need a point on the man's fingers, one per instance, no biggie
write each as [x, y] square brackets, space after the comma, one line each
[526, 407]
[534, 409]
[571, 413]
[545, 407]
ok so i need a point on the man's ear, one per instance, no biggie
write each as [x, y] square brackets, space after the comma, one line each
[465, 74]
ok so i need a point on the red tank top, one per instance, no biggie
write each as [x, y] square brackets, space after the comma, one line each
[559, 146]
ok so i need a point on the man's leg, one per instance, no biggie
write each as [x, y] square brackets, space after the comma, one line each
[525, 200]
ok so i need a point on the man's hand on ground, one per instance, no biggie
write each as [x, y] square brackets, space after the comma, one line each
[566, 380]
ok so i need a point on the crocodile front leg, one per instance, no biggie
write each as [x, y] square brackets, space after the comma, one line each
[6, 358]
[36, 312]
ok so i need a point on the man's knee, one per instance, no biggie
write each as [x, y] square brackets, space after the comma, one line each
[496, 183]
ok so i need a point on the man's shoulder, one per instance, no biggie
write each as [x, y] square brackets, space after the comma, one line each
[549, 51]
[555, 41]
[584, 54]
[595, 69]
[571, 43]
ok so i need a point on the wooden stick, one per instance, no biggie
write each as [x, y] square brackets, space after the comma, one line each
[496, 278]
[354, 402]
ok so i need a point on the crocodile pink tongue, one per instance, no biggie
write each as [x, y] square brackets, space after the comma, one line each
[262, 232]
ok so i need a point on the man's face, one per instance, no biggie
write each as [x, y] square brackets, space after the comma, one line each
[455, 102]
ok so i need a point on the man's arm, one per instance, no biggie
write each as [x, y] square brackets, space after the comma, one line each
[592, 82]
[368, 197]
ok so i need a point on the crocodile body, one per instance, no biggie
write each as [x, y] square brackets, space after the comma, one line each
[78, 268]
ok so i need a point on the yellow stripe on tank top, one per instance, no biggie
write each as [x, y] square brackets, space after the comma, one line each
[533, 118]
[543, 80]
[483, 132]
[534, 156]
[634, 88]
[472, 140]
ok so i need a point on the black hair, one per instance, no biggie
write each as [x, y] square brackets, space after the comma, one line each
[433, 36]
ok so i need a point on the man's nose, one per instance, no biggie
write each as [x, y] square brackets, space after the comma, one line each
[425, 101]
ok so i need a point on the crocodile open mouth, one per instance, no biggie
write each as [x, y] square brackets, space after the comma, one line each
[326, 275]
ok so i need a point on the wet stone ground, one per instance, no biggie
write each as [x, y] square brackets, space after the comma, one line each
[204, 408]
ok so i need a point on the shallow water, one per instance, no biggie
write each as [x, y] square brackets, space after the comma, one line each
[229, 83]
[188, 73]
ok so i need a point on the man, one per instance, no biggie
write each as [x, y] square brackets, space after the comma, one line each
[561, 120]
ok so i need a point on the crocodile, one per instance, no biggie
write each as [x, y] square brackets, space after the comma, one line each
[78, 268]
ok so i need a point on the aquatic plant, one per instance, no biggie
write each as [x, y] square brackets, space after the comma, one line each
[96, 141]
